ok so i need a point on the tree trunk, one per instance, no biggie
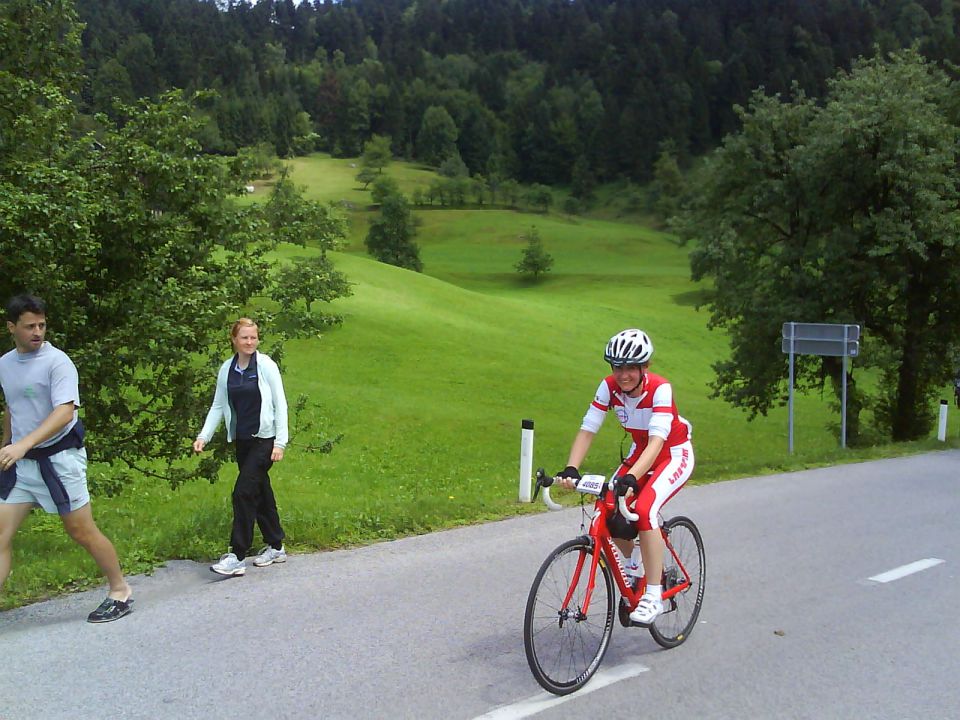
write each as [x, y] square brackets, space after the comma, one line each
[905, 423]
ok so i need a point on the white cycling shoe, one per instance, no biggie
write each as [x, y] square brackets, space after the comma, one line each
[648, 610]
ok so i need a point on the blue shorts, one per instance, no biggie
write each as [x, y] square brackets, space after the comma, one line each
[71, 466]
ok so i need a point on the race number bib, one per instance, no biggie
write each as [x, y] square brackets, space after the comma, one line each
[592, 484]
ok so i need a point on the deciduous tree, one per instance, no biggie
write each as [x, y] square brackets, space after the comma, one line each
[133, 240]
[391, 238]
[535, 260]
[376, 154]
[846, 213]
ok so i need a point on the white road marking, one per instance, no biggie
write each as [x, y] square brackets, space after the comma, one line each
[905, 570]
[539, 703]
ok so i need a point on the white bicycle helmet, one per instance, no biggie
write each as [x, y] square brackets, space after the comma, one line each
[629, 347]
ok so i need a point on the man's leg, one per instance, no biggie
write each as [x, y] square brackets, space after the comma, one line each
[80, 526]
[11, 516]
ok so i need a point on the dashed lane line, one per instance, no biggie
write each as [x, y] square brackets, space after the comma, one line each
[539, 703]
[904, 570]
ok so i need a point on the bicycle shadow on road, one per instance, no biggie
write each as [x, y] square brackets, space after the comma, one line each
[628, 645]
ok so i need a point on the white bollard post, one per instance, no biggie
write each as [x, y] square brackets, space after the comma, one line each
[942, 429]
[526, 459]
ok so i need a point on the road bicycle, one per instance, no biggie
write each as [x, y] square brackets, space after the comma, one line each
[572, 603]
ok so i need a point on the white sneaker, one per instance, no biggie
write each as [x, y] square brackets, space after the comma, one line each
[648, 609]
[229, 565]
[270, 555]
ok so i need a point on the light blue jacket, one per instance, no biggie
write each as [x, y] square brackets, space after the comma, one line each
[273, 404]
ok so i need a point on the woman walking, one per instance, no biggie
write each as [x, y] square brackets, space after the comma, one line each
[249, 398]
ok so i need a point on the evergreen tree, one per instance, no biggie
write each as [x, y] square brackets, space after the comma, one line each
[438, 134]
[582, 180]
[453, 167]
[668, 184]
[538, 83]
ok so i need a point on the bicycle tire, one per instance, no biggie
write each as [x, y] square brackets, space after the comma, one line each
[681, 611]
[564, 652]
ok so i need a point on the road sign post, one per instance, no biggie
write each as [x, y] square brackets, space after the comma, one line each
[825, 339]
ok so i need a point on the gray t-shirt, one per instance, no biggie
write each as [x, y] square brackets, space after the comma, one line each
[34, 384]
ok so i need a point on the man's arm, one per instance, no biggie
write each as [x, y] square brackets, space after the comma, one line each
[6, 428]
[54, 423]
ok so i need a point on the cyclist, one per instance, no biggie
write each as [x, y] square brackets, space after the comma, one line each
[660, 460]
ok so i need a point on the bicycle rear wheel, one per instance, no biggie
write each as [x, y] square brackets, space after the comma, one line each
[681, 611]
[564, 646]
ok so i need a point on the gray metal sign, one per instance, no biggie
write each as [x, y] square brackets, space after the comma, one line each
[824, 339]
[821, 339]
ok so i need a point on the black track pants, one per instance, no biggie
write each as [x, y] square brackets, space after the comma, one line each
[253, 499]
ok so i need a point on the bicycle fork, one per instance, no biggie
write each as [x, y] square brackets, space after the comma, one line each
[581, 614]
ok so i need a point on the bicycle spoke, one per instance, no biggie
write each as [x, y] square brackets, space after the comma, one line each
[685, 563]
[563, 647]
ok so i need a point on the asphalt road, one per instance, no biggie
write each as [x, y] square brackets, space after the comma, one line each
[431, 627]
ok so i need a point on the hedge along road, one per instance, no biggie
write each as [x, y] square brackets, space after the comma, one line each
[430, 626]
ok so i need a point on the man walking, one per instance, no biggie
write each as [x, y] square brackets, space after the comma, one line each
[42, 458]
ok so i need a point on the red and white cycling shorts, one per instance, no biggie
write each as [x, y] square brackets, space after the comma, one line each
[662, 483]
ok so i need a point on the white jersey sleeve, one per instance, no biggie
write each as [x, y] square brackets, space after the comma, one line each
[597, 411]
[661, 419]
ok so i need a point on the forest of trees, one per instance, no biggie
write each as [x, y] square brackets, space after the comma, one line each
[143, 258]
[548, 91]
[840, 173]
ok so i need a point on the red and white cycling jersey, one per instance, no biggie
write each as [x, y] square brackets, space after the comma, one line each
[653, 412]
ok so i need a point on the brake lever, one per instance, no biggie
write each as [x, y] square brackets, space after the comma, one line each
[543, 481]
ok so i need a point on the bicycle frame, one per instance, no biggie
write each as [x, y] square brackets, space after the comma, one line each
[602, 543]
[569, 619]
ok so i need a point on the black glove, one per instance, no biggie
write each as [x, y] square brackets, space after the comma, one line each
[627, 482]
[569, 472]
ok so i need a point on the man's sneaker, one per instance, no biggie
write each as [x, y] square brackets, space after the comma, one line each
[270, 555]
[229, 565]
[648, 609]
[110, 610]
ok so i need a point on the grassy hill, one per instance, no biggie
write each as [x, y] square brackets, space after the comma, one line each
[429, 377]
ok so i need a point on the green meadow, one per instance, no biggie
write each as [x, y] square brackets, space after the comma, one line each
[429, 377]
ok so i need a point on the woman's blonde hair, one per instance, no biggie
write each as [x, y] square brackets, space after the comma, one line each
[242, 323]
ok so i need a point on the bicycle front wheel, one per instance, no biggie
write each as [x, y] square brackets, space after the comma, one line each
[564, 644]
[684, 561]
